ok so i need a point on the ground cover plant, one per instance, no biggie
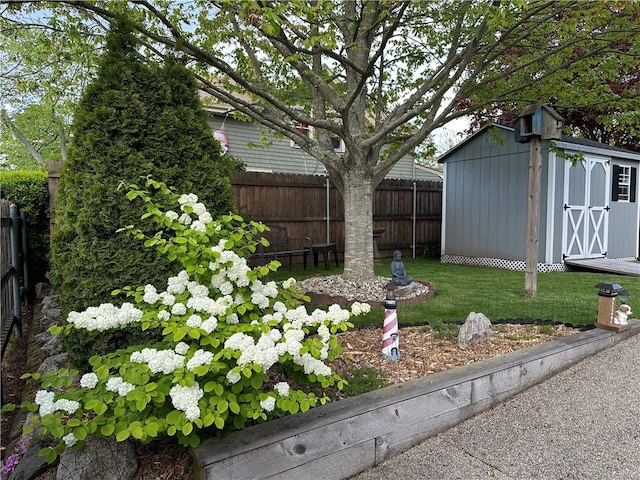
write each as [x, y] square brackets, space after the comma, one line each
[234, 350]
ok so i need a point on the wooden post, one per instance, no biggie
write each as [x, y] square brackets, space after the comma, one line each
[533, 217]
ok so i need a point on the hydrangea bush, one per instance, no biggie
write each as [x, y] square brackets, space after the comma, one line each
[236, 348]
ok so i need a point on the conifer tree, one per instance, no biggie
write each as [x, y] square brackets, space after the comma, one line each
[134, 120]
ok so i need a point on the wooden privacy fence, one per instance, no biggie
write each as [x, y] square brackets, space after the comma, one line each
[13, 267]
[410, 212]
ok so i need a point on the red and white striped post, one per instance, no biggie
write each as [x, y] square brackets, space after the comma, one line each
[390, 339]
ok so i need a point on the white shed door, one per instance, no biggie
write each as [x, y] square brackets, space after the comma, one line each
[585, 223]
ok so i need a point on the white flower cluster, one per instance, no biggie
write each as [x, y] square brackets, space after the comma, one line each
[119, 386]
[89, 380]
[358, 308]
[272, 344]
[48, 404]
[165, 361]
[69, 439]
[186, 399]
[198, 209]
[268, 404]
[201, 357]
[282, 388]
[105, 317]
[262, 292]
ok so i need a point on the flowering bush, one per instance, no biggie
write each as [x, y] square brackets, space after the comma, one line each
[236, 348]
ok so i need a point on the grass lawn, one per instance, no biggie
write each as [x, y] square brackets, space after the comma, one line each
[565, 297]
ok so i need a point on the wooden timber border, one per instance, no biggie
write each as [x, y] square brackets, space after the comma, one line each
[343, 438]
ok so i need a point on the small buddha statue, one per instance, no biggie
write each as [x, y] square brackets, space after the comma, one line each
[399, 276]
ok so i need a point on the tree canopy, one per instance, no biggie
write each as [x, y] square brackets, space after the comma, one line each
[381, 75]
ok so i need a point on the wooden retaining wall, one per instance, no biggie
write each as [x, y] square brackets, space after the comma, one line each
[341, 439]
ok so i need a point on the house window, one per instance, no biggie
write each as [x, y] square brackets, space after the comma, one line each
[623, 188]
[306, 130]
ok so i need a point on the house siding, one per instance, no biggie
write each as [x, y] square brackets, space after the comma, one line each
[276, 155]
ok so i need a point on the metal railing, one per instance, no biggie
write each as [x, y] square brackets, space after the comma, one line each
[14, 271]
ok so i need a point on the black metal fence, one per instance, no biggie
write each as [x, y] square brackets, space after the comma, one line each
[13, 267]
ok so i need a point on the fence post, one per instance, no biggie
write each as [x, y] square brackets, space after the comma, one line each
[14, 233]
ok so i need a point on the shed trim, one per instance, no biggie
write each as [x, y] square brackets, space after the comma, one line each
[598, 151]
[551, 203]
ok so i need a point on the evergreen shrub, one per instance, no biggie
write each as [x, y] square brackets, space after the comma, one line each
[135, 120]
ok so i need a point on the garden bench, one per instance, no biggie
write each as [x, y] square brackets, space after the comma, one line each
[281, 246]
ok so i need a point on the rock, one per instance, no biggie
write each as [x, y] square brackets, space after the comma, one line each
[53, 363]
[31, 464]
[52, 347]
[51, 308]
[100, 459]
[42, 289]
[476, 329]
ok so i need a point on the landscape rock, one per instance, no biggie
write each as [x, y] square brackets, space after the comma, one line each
[42, 289]
[53, 363]
[100, 459]
[476, 329]
[53, 346]
[31, 464]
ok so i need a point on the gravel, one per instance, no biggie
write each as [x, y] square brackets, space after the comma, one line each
[370, 291]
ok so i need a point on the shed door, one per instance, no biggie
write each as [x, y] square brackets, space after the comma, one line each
[585, 224]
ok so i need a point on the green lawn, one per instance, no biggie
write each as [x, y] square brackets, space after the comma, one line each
[566, 297]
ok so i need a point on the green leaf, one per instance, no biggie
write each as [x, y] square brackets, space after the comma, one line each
[107, 430]
[234, 407]
[138, 432]
[122, 435]
[187, 429]
[49, 454]
[219, 423]
[222, 406]
[80, 433]
[208, 419]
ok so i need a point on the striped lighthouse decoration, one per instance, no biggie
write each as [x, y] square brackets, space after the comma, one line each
[390, 340]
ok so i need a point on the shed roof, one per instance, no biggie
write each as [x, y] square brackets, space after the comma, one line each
[566, 142]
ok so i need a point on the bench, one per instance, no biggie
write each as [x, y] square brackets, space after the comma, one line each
[281, 247]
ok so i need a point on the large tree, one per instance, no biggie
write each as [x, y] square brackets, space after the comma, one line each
[43, 70]
[379, 74]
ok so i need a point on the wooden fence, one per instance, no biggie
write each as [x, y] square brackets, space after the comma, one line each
[299, 203]
[310, 206]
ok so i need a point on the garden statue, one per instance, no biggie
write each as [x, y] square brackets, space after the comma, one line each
[398, 274]
[621, 315]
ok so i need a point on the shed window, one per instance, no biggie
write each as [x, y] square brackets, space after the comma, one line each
[624, 184]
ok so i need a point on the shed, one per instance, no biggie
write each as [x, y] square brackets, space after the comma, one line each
[589, 208]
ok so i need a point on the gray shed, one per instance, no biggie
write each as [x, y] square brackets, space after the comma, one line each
[588, 210]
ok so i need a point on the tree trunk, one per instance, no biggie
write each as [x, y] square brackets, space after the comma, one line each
[357, 194]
